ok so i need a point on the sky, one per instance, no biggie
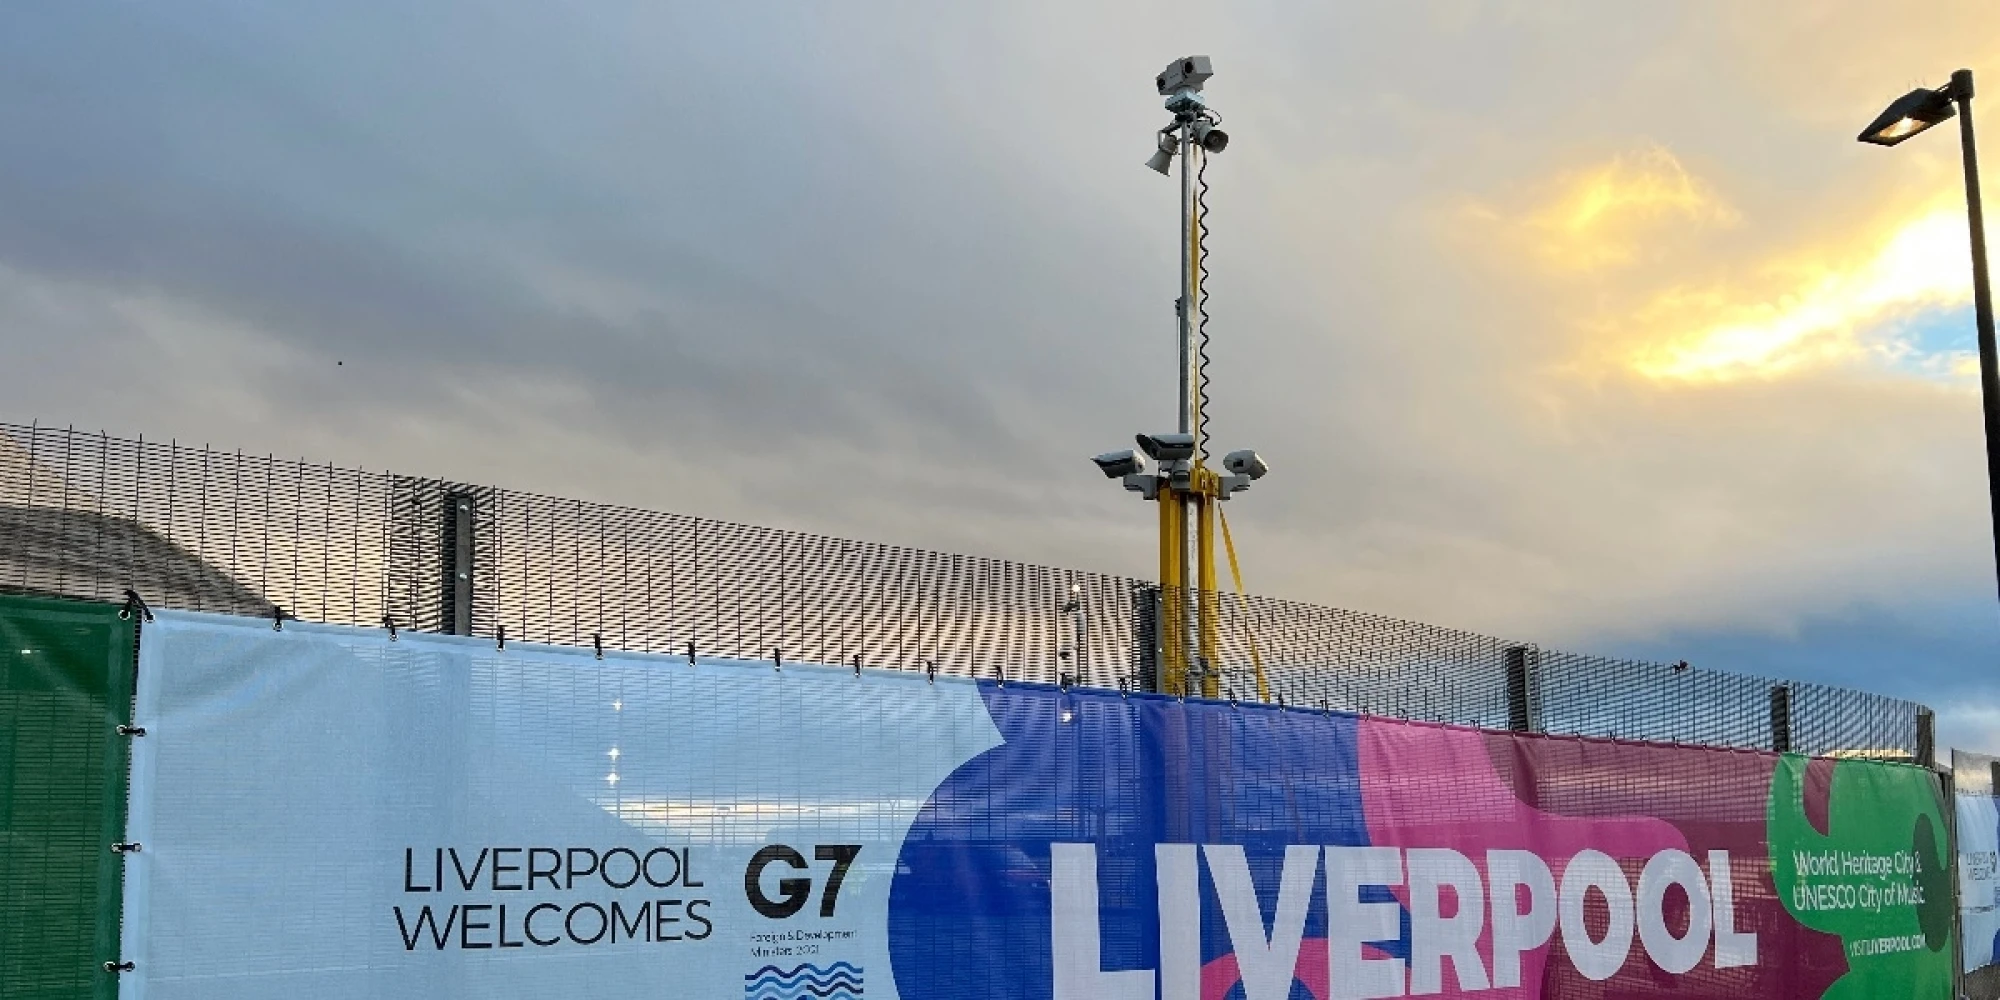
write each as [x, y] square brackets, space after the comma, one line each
[1581, 322]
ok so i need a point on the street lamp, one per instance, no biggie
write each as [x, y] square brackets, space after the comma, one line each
[1908, 115]
[1911, 113]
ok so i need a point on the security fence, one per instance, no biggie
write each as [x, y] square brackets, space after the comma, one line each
[92, 516]
[66, 682]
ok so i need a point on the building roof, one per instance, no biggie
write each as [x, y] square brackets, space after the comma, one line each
[72, 550]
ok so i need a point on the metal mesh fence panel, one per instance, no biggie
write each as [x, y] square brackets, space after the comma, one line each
[89, 515]
[1323, 657]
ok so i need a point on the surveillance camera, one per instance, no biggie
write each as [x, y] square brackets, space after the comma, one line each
[1187, 73]
[1211, 138]
[1245, 463]
[1118, 464]
[1167, 447]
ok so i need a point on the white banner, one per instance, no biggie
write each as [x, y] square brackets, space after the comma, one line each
[327, 813]
[1978, 865]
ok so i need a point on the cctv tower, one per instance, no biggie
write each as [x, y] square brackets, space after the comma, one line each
[1172, 469]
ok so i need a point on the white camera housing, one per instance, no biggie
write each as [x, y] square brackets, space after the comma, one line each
[1119, 464]
[1246, 463]
[1167, 447]
[1185, 73]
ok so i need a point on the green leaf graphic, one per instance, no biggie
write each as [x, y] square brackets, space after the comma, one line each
[1877, 877]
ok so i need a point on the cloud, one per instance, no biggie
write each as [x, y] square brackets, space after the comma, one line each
[1831, 296]
[895, 271]
[1973, 726]
[1605, 215]
[1825, 314]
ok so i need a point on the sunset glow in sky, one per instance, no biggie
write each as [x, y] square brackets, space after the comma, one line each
[1827, 316]
[1583, 323]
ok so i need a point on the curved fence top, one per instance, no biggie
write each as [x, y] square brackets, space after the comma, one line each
[91, 516]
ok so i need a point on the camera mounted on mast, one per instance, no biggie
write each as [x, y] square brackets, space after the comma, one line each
[1180, 83]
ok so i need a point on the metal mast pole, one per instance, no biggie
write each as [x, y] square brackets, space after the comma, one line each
[1187, 625]
[1193, 538]
[1186, 308]
[1982, 303]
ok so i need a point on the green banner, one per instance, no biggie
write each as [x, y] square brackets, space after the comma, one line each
[65, 687]
[1859, 849]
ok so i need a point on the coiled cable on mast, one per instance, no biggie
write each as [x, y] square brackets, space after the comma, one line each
[1201, 299]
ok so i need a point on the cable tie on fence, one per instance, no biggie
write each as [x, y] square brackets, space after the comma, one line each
[389, 622]
[1000, 673]
[278, 616]
[131, 730]
[1063, 681]
[127, 847]
[930, 670]
[777, 659]
[1281, 701]
[597, 643]
[500, 637]
[117, 967]
[690, 652]
[133, 602]
[857, 668]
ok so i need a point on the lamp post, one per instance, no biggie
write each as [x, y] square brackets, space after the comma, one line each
[1910, 114]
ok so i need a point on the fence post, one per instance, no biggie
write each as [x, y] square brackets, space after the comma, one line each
[457, 531]
[1781, 718]
[1520, 687]
[1926, 738]
[1948, 785]
[1146, 653]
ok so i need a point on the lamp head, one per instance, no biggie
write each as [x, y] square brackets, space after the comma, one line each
[1908, 115]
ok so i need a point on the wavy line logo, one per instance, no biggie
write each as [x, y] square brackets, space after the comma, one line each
[839, 981]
